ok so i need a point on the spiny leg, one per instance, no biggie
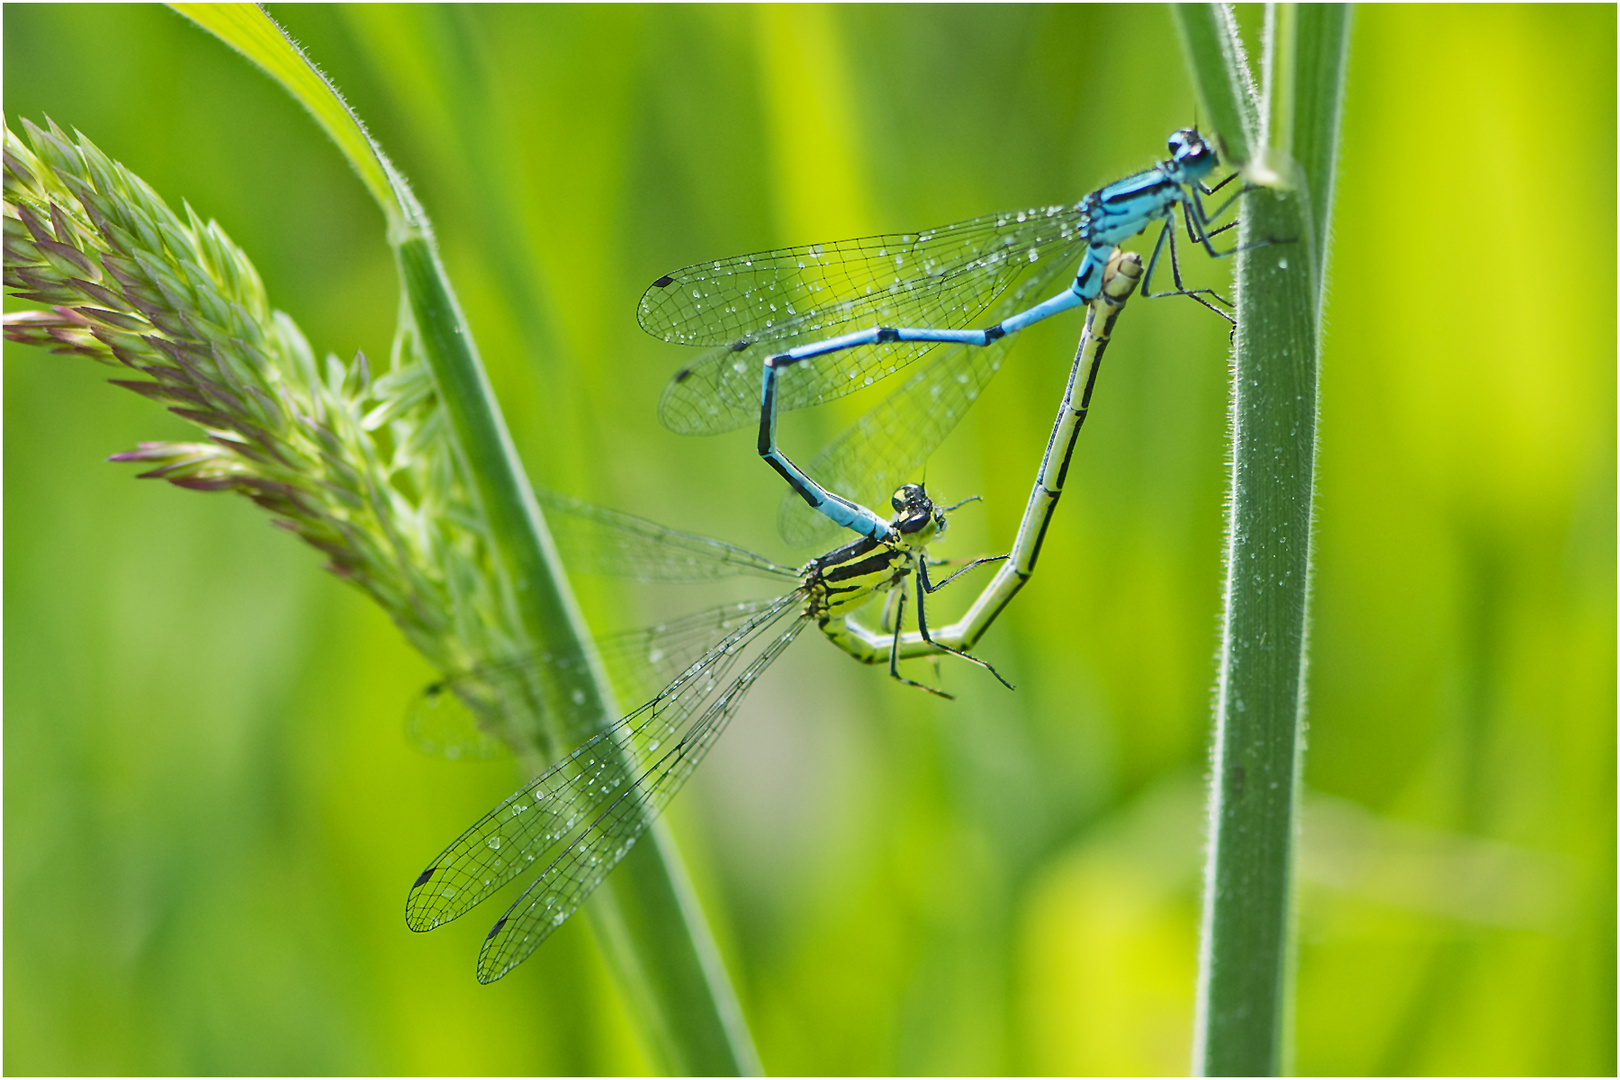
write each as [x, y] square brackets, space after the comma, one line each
[958, 573]
[1231, 199]
[887, 621]
[972, 563]
[1207, 190]
[894, 653]
[1168, 233]
[923, 589]
[1195, 211]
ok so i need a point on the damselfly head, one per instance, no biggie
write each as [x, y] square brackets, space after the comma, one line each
[913, 509]
[1191, 156]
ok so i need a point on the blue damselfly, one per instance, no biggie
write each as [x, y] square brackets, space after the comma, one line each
[798, 326]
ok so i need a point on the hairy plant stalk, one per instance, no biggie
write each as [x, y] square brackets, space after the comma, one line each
[1246, 952]
[407, 482]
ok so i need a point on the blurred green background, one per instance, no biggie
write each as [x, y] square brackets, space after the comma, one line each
[212, 815]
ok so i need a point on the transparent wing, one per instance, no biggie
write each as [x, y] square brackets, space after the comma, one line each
[767, 292]
[596, 540]
[483, 713]
[888, 446]
[580, 868]
[475, 715]
[757, 305]
[441, 723]
[492, 709]
[596, 800]
[642, 662]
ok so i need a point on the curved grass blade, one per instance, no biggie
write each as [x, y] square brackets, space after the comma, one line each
[251, 31]
[754, 306]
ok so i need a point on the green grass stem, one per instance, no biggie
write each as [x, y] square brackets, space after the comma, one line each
[650, 928]
[1246, 955]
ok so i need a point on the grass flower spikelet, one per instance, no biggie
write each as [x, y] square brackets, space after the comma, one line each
[358, 466]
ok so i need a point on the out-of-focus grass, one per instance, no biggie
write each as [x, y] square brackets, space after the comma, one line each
[212, 815]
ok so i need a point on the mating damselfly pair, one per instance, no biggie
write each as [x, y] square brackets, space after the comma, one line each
[771, 317]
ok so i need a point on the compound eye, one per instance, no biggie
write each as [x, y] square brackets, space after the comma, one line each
[1187, 147]
[909, 497]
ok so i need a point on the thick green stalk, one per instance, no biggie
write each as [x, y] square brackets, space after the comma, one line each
[1257, 739]
[1321, 50]
[645, 916]
[1245, 970]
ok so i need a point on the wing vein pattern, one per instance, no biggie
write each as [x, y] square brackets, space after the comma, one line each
[584, 812]
[595, 540]
[752, 306]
